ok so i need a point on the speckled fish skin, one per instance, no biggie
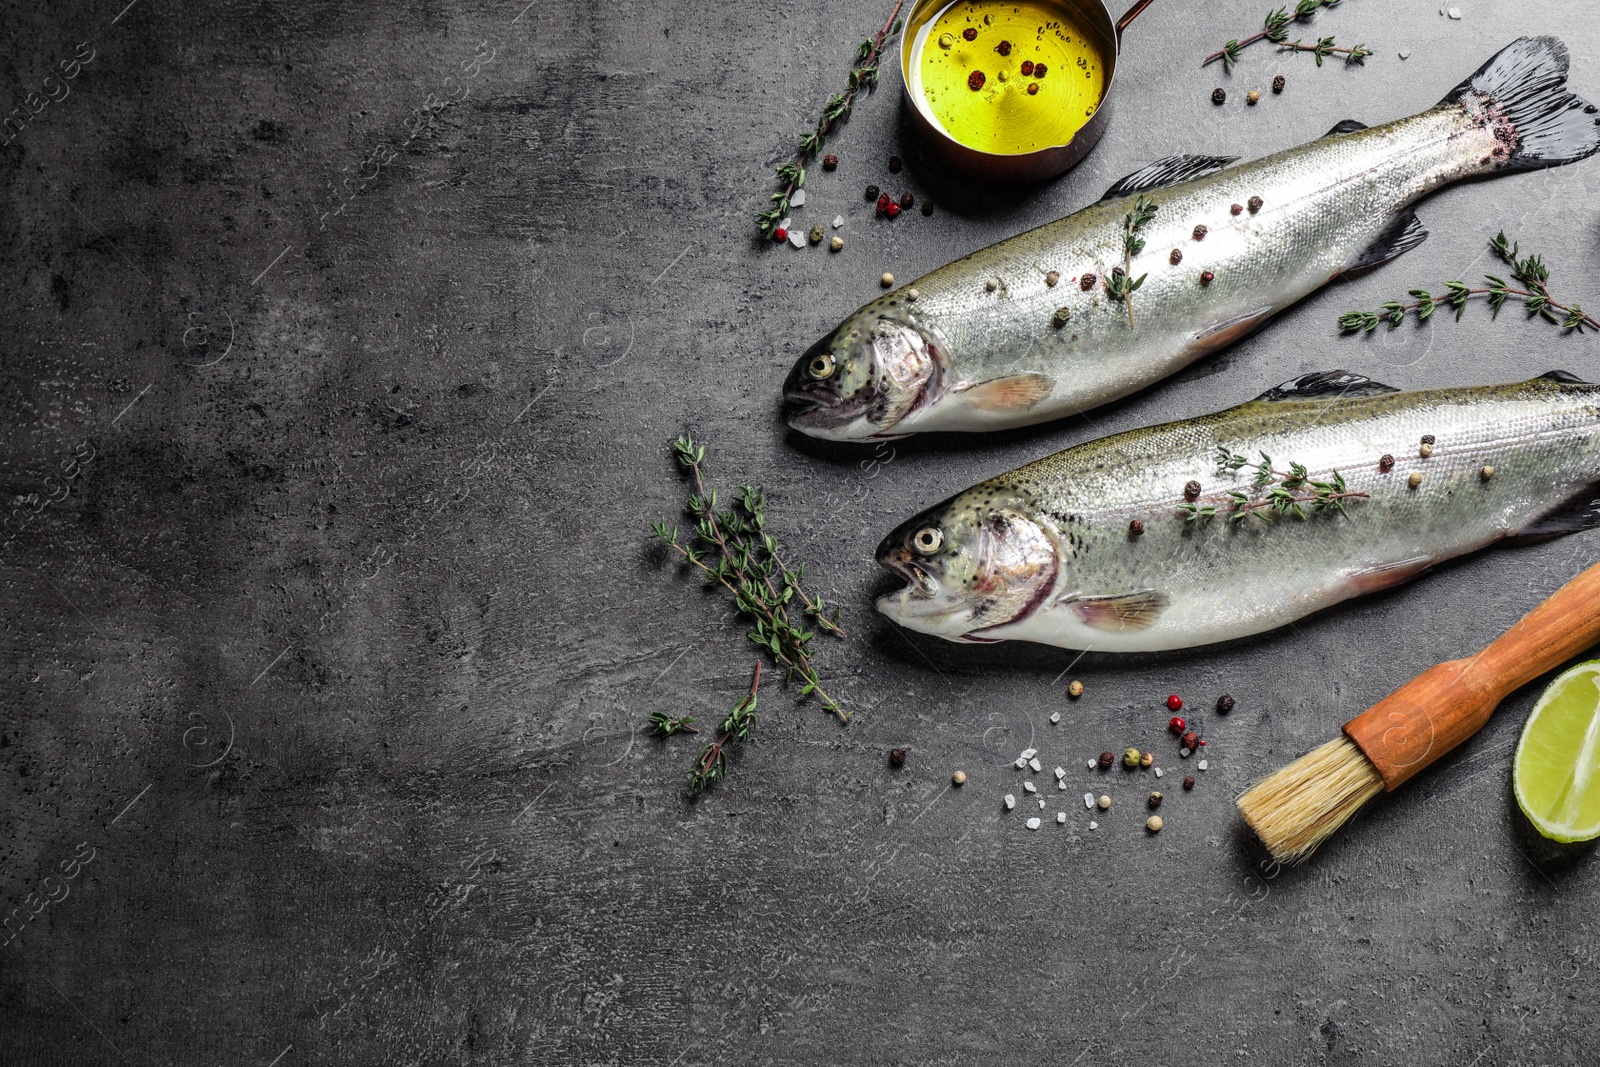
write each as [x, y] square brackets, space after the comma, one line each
[964, 356]
[1045, 553]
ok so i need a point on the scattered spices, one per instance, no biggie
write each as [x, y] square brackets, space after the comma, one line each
[1386, 463]
[1236, 209]
[1219, 95]
[1055, 717]
[1104, 802]
[1206, 277]
[1086, 282]
[1039, 70]
[1106, 760]
[1130, 758]
[1255, 204]
[1188, 783]
[1027, 67]
[1074, 689]
[1191, 489]
[895, 164]
[1033, 88]
[990, 285]
[975, 80]
[1135, 527]
[887, 280]
[1147, 759]
[1004, 48]
[1033, 823]
[817, 234]
[1159, 772]
[1155, 800]
[872, 192]
[969, 34]
[780, 235]
[897, 757]
[959, 778]
[1191, 740]
[1177, 725]
[912, 293]
[1176, 257]
[1011, 801]
[1203, 764]
[1061, 772]
[836, 244]
[1200, 232]
[906, 200]
[1028, 787]
[1427, 438]
[1034, 764]
[1278, 83]
[1487, 473]
[1224, 703]
[891, 209]
[1253, 97]
[1029, 753]
[1061, 817]
[830, 162]
[1415, 479]
[1175, 702]
[1061, 317]
[1088, 801]
[1154, 824]
[1425, 451]
[1051, 277]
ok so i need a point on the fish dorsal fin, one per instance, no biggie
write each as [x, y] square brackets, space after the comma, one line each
[1399, 235]
[1565, 377]
[1168, 171]
[1345, 126]
[1323, 385]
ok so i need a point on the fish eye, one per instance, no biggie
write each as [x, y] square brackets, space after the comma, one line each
[820, 367]
[927, 540]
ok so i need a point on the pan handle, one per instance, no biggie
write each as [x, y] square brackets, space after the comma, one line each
[1131, 14]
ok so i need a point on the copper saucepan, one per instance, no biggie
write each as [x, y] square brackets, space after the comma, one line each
[1027, 166]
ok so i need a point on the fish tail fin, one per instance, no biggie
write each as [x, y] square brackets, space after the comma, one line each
[1521, 94]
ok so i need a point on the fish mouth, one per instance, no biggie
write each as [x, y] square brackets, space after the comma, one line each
[920, 584]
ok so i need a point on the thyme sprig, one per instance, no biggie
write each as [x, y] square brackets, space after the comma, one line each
[1324, 47]
[713, 761]
[664, 725]
[1122, 283]
[1288, 492]
[733, 549]
[1530, 271]
[863, 75]
[1275, 28]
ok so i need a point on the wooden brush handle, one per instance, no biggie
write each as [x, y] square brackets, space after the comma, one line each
[1442, 707]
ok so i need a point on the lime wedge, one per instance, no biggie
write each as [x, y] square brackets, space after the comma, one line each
[1556, 773]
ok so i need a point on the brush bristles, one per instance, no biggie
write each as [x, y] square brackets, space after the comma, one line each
[1299, 807]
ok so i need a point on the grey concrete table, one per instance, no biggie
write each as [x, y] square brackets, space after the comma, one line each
[343, 348]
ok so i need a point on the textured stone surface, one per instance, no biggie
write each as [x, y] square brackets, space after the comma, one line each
[332, 661]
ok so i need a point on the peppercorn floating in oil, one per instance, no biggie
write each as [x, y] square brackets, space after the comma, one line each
[1008, 78]
[1043, 553]
[1277, 229]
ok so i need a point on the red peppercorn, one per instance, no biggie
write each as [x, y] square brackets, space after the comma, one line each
[969, 34]
[1175, 702]
[1191, 740]
[897, 757]
[780, 235]
[1236, 208]
[1200, 232]
[830, 161]
[1039, 70]
[1004, 48]
[907, 200]
[1255, 204]
[1027, 67]
[1278, 83]
[975, 80]
[1106, 760]
[1135, 527]
[1205, 277]
[1087, 282]
[1176, 257]
[1188, 783]
[1177, 724]
[891, 209]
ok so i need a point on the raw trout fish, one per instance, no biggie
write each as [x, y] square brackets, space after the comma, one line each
[1231, 524]
[1029, 329]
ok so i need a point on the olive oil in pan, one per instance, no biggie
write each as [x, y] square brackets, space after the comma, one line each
[1009, 78]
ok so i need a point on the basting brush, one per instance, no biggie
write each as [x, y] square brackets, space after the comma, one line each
[1296, 809]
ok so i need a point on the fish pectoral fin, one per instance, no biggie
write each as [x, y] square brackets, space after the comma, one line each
[1018, 391]
[1168, 171]
[1386, 575]
[1399, 235]
[1322, 385]
[1222, 334]
[1345, 126]
[1120, 611]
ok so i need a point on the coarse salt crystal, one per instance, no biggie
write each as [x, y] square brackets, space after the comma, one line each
[1183, 752]
[1027, 787]
[1159, 772]
[798, 199]
[1089, 763]
[1093, 825]
[1055, 716]
[1405, 53]
[1061, 772]
[1061, 783]
[1202, 765]
[1011, 801]
[1088, 800]
[838, 220]
[1033, 823]
[1034, 763]
[1454, 12]
[1041, 803]
[1029, 753]
[1021, 763]
[797, 238]
[1061, 817]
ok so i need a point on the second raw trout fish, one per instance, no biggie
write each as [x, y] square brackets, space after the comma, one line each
[1042, 325]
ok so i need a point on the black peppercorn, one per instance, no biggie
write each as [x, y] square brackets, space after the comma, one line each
[1278, 83]
[1224, 703]
[1427, 438]
[1188, 783]
[1386, 463]
[897, 757]
[1255, 204]
[1218, 95]
[1176, 257]
[907, 200]
[1135, 527]
[1106, 760]
[830, 161]
[895, 164]
[1086, 282]
[872, 192]
[1191, 490]
[1200, 232]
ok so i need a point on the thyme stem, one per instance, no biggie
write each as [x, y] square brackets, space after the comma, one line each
[1275, 28]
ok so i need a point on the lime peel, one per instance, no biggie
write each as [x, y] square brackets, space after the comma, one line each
[1553, 772]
